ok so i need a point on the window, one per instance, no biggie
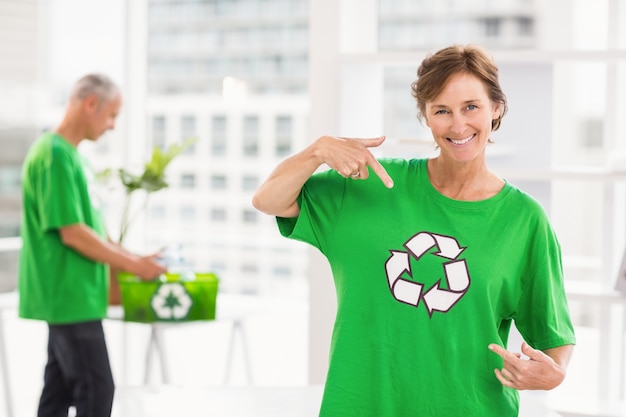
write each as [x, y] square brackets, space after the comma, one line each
[250, 135]
[188, 130]
[282, 271]
[187, 213]
[250, 216]
[218, 135]
[525, 26]
[218, 267]
[188, 181]
[249, 269]
[492, 27]
[250, 182]
[218, 182]
[284, 135]
[159, 131]
[218, 214]
[158, 211]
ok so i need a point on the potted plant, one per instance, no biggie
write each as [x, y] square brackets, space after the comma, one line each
[151, 180]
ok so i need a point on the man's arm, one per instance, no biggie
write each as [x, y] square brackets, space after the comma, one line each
[85, 241]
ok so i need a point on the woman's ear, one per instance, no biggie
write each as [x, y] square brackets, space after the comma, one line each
[496, 111]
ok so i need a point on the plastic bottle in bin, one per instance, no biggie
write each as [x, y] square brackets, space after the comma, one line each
[172, 258]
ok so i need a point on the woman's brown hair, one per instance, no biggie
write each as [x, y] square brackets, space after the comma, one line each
[436, 70]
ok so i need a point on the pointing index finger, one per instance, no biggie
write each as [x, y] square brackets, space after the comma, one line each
[500, 351]
[381, 172]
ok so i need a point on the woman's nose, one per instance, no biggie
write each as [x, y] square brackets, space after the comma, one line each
[458, 124]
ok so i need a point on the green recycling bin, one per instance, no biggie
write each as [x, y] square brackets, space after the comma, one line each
[173, 297]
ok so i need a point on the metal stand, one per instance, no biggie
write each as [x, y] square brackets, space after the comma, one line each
[156, 346]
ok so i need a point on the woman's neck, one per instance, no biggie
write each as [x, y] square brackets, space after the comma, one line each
[471, 181]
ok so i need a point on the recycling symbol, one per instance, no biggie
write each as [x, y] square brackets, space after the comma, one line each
[436, 298]
[171, 301]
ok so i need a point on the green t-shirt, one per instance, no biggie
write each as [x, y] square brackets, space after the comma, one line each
[56, 283]
[424, 284]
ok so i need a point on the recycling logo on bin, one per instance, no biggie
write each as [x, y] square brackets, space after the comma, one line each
[171, 301]
[411, 292]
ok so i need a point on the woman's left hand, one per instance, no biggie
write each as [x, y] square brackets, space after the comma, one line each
[541, 371]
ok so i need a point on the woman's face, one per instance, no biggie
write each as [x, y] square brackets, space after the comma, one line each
[460, 118]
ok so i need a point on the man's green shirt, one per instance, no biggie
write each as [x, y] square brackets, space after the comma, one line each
[56, 283]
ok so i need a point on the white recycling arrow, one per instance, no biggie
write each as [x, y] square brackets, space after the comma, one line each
[419, 244]
[448, 247]
[458, 282]
[171, 301]
[406, 291]
[440, 300]
[457, 275]
[436, 298]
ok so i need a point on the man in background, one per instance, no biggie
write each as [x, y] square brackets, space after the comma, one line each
[66, 255]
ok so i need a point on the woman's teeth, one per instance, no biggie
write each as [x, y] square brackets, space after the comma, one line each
[461, 141]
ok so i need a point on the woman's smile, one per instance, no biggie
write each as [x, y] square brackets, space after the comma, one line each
[463, 141]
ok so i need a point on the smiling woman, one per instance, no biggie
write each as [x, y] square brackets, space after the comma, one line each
[452, 206]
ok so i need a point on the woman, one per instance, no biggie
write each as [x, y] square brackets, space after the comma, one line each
[433, 263]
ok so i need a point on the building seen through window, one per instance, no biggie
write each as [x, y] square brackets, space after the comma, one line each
[188, 181]
[188, 130]
[250, 135]
[284, 135]
[218, 135]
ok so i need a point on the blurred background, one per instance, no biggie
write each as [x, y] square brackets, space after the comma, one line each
[256, 80]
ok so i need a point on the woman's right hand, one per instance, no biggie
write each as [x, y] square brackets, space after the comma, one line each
[350, 157]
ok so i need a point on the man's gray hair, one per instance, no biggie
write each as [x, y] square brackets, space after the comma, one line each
[100, 85]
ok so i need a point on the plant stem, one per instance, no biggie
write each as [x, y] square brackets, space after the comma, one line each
[125, 219]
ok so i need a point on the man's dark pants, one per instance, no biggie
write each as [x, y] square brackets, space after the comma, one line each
[78, 372]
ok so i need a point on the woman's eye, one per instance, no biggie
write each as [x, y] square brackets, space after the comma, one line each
[441, 111]
[471, 107]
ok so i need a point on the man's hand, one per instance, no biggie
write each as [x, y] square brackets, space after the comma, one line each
[85, 241]
[539, 372]
[147, 267]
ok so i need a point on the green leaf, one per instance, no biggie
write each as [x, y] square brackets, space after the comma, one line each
[154, 172]
[130, 181]
[104, 175]
[151, 180]
[153, 177]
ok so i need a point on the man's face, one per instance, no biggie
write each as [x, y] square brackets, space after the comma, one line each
[101, 116]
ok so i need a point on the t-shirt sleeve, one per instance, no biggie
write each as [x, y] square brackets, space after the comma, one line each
[542, 315]
[59, 192]
[320, 202]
